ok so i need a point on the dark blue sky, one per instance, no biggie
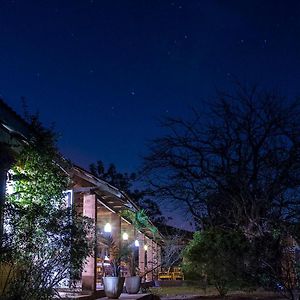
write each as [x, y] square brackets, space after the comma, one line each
[103, 71]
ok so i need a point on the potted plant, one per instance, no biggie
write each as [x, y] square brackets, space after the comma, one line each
[113, 284]
[140, 221]
[133, 282]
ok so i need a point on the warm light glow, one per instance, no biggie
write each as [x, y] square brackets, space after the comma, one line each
[125, 236]
[146, 247]
[106, 261]
[107, 227]
[136, 243]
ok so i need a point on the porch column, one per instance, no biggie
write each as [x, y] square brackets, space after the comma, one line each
[89, 271]
[141, 239]
[155, 259]
[158, 257]
[150, 257]
[116, 229]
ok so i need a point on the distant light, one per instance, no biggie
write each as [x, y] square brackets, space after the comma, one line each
[145, 247]
[136, 243]
[107, 227]
[125, 236]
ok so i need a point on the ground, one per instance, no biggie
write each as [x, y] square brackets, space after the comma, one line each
[193, 292]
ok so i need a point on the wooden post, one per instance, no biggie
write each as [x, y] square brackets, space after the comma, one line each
[150, 258]
[116, 229]
[141, 239]
[89, 271]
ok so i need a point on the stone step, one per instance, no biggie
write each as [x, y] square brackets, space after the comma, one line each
[125, 296]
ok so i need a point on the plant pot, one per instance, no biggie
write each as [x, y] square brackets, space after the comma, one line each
[133, 284]
[113, 286]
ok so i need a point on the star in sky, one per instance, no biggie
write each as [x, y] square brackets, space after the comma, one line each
[170, 58]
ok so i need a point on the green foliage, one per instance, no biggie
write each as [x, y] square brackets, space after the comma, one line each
[219, 256]
[272, 262]
[38, 180]
[45, 241]
[228, 260]
[139, 219]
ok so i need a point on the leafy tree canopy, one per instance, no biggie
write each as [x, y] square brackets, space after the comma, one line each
[45, 241]
[217, 255]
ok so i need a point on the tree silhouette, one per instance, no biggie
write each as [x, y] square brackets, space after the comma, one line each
[237, 166]
[125, 182]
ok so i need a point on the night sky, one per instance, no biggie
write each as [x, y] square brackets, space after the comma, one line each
[104, 71]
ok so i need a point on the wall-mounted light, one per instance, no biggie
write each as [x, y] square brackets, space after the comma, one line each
[9, 189]
[145, 247]
[10, 185]
[125, 236]
[107, 227]
[136, 243]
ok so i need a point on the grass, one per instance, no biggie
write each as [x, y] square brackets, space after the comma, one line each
[182, 290]
[177, 292]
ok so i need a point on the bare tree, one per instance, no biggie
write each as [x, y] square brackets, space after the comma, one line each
[172, 249]
[236, 166]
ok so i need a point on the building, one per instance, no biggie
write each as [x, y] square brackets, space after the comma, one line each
[104, 203]
[14, 133]
[93, 198]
